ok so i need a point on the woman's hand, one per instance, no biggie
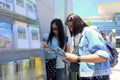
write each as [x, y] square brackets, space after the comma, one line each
[45, 44]
[94, 58]
[71, 57]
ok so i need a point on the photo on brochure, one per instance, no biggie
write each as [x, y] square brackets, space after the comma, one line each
[59, 52]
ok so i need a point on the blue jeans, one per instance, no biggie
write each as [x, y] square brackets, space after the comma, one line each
[60, 74]
[104, 77]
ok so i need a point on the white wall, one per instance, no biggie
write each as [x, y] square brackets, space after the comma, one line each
[69, 7]
[63, 8]
[49, 9]
[59, 7]
[45, 13]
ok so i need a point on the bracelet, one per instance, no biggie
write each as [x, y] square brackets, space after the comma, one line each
[78, 60]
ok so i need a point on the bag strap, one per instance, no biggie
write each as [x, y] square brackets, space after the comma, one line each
[66, 41]
[77, 46]
[78, 42]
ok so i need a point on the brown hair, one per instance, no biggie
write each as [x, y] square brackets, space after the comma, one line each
[78, 23]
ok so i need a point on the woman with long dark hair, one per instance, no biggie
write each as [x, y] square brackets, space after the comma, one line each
[56, 38]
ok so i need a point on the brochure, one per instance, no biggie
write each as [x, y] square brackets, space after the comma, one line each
[32, 67]
[6, 5]
[38, 69]
[1, 72]
[34, 36]
[33, 1]
[57, 51]
[24, 66]
[10, 71]
[5, 36]
[21, 35]
[20, 7]
[30, 10]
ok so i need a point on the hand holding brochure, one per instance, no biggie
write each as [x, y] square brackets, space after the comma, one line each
[59, 52]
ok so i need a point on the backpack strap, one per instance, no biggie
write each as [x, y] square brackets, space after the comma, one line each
[66, 40]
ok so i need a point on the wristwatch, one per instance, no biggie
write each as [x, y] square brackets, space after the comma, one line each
[78, 60]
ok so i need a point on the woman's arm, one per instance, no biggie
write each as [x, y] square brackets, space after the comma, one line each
[44, 39]
[87, 58]
[45, 44]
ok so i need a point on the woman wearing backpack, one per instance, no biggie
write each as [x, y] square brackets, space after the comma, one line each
[93, 59]
[112, 50]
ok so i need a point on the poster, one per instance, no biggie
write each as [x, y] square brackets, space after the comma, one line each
[6, 5]
[30, 10]
[6, 40]
[20, 7]
[21, 35]
[34, 36]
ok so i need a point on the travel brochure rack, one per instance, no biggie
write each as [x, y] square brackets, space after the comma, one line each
[17, 63]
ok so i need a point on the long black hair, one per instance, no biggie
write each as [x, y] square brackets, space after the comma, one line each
[61, 34]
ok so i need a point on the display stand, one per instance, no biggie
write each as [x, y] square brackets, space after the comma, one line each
[15, 55]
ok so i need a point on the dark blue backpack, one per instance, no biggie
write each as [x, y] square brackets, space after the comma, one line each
[112, 51]
[113, 54]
